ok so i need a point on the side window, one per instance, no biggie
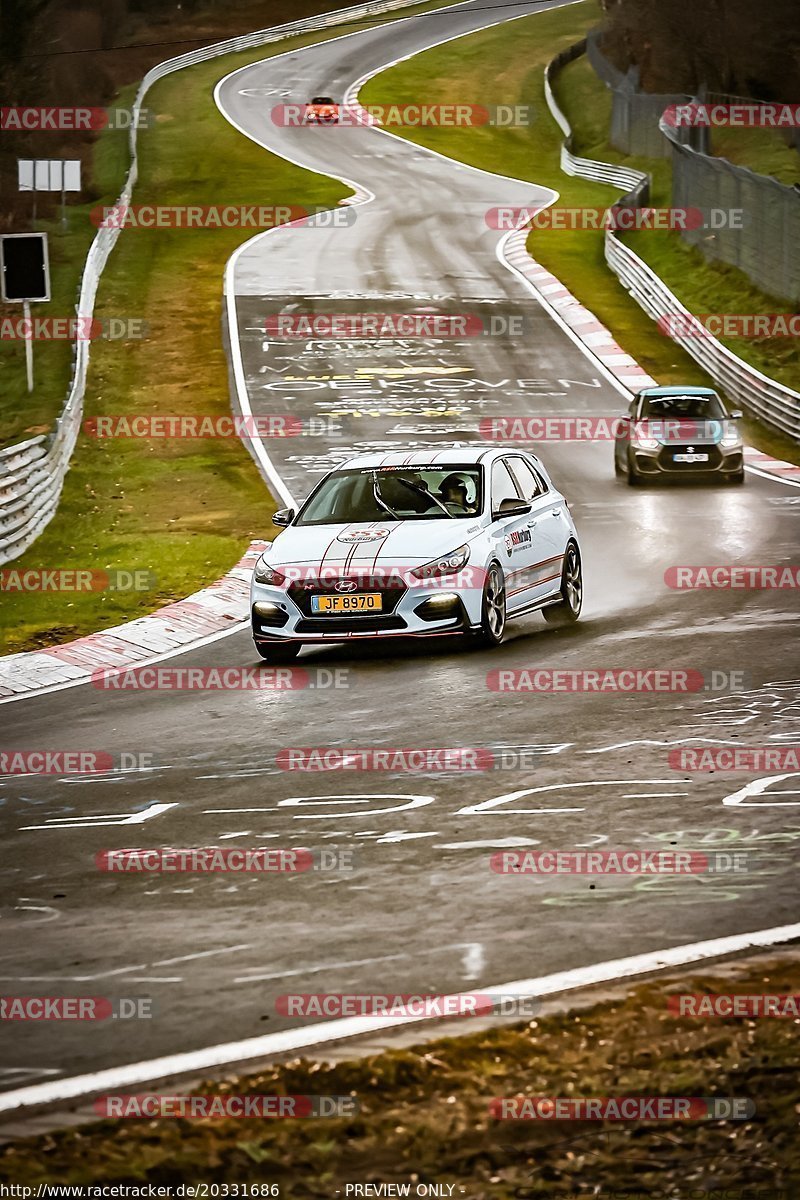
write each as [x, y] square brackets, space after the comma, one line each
[503, 486]
[530, 482]
[544, 486]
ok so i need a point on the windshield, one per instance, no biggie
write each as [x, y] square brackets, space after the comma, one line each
[395, 494]
[696, 408]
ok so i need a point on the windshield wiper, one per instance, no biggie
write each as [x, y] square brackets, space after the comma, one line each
[379, 500]
[423, 491]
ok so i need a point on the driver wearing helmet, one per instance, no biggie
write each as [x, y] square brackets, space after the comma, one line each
[453, 494]
[406, 497]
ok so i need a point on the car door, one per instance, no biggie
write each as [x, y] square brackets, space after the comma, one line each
[547, 523]
[512, 538]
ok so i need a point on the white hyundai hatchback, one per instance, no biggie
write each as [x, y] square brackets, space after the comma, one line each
[453, 541]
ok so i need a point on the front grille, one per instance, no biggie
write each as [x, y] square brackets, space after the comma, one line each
[667, 463]
[349, 624]
[302, 591]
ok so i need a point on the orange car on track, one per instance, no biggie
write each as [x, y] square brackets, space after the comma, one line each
[322, 110]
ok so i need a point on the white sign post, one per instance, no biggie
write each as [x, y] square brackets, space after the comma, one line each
[26, 315]
[25, 276]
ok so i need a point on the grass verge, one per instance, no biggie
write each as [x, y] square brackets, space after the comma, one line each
[24, 414]
[520, 50]
[423, 1113]
[702, 286]
[184, 511]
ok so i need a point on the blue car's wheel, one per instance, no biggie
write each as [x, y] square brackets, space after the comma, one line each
[634, 478]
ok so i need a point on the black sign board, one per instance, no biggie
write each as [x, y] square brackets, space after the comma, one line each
[24, 267]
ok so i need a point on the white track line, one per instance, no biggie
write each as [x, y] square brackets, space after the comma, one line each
[364, 196]
[328, 1031]
[271, 472]
[351, 97]
[766, 475]
[195, 1061]
[269, 468]
[559, 320]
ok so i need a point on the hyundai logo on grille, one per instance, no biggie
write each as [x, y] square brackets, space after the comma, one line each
[345, 585]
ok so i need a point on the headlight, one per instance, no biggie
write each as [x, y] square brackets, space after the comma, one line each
[448, 564]
[731, 435]
[266, 574]
[642, 439]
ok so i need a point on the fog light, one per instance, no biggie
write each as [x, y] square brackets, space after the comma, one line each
[270, 614]
[436, 608]
[646, 464]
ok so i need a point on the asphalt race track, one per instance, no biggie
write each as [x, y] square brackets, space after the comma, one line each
[419, 909]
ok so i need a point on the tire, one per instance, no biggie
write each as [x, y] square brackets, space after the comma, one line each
[493, 607]
[634, 478]
[278, 652]
[738, 478]
[567, 611]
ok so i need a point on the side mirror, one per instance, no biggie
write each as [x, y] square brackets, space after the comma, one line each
[511, 508]
[736, 415]
[284, 516]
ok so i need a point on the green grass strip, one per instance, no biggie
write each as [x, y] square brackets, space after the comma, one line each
[183, 510]
[518, 52]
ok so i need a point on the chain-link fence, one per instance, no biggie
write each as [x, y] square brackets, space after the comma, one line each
[757, 218]
[751, 221]
[634, 114]
[745, 387]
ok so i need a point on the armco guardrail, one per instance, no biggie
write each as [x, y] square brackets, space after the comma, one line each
[746, 387]
[629, 181]
[32, 472]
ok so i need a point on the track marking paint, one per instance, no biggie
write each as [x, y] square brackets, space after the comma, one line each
[249, 1049]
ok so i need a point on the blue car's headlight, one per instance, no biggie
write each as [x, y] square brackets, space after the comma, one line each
[263, 573]
[731, 435]
[448, 564]
[643, 436]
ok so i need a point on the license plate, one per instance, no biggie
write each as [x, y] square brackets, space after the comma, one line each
[360, 602]
[690, 458]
